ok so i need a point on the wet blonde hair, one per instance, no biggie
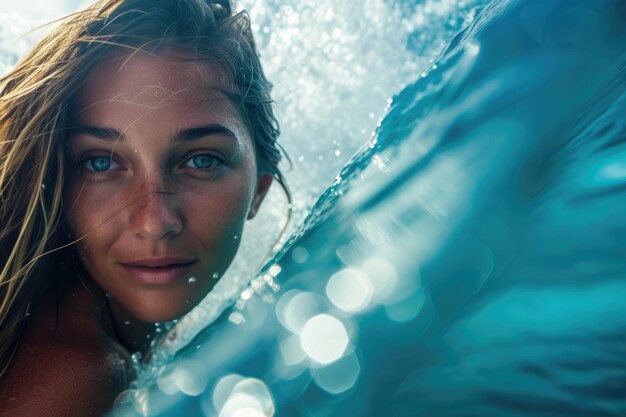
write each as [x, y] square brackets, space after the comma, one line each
[35, 106]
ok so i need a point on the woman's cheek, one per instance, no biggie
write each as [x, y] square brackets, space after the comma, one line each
[219, 209]
[90, 207]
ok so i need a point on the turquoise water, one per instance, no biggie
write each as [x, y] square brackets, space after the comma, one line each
[469, 260]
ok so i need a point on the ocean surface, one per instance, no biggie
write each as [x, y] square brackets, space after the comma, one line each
[469, 259]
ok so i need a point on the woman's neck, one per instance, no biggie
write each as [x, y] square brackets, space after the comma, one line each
[132, 334]
[135, 335]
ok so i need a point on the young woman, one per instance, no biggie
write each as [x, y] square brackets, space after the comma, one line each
[135, 141]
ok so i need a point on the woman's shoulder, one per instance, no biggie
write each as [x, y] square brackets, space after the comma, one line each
[65, 364]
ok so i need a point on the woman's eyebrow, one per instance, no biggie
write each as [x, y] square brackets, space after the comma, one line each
[110, 134]
[194, 133]
[105, 133]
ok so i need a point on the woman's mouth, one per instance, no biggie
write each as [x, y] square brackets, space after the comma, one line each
[158, 271]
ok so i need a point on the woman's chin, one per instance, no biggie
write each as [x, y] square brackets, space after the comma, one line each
[153, 308]
[161, 315]
[156, 303]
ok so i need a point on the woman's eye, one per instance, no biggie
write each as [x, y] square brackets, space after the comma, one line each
[203, 161]
[100, 164]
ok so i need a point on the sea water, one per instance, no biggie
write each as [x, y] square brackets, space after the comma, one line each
[469, 259]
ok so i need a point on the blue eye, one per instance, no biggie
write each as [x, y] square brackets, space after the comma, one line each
[100, 164]
[203, 161]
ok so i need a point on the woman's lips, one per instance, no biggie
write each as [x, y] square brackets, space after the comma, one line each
[166, 273]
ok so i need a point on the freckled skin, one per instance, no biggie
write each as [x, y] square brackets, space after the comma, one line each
[153, 202]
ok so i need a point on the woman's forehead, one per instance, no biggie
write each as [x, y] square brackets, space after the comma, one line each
[160, 78]
[144, 93]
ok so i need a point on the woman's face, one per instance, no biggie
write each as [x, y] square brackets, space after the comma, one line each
[163, 175]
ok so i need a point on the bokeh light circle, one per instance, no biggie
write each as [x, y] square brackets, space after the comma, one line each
[324, 338]
[349, 290]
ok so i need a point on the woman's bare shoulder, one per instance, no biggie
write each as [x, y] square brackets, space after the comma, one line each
[65, 365]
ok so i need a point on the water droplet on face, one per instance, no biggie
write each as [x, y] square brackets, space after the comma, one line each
[192, 280]
[216, 275]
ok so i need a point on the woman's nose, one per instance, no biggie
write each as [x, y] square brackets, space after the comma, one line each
[155, 215]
